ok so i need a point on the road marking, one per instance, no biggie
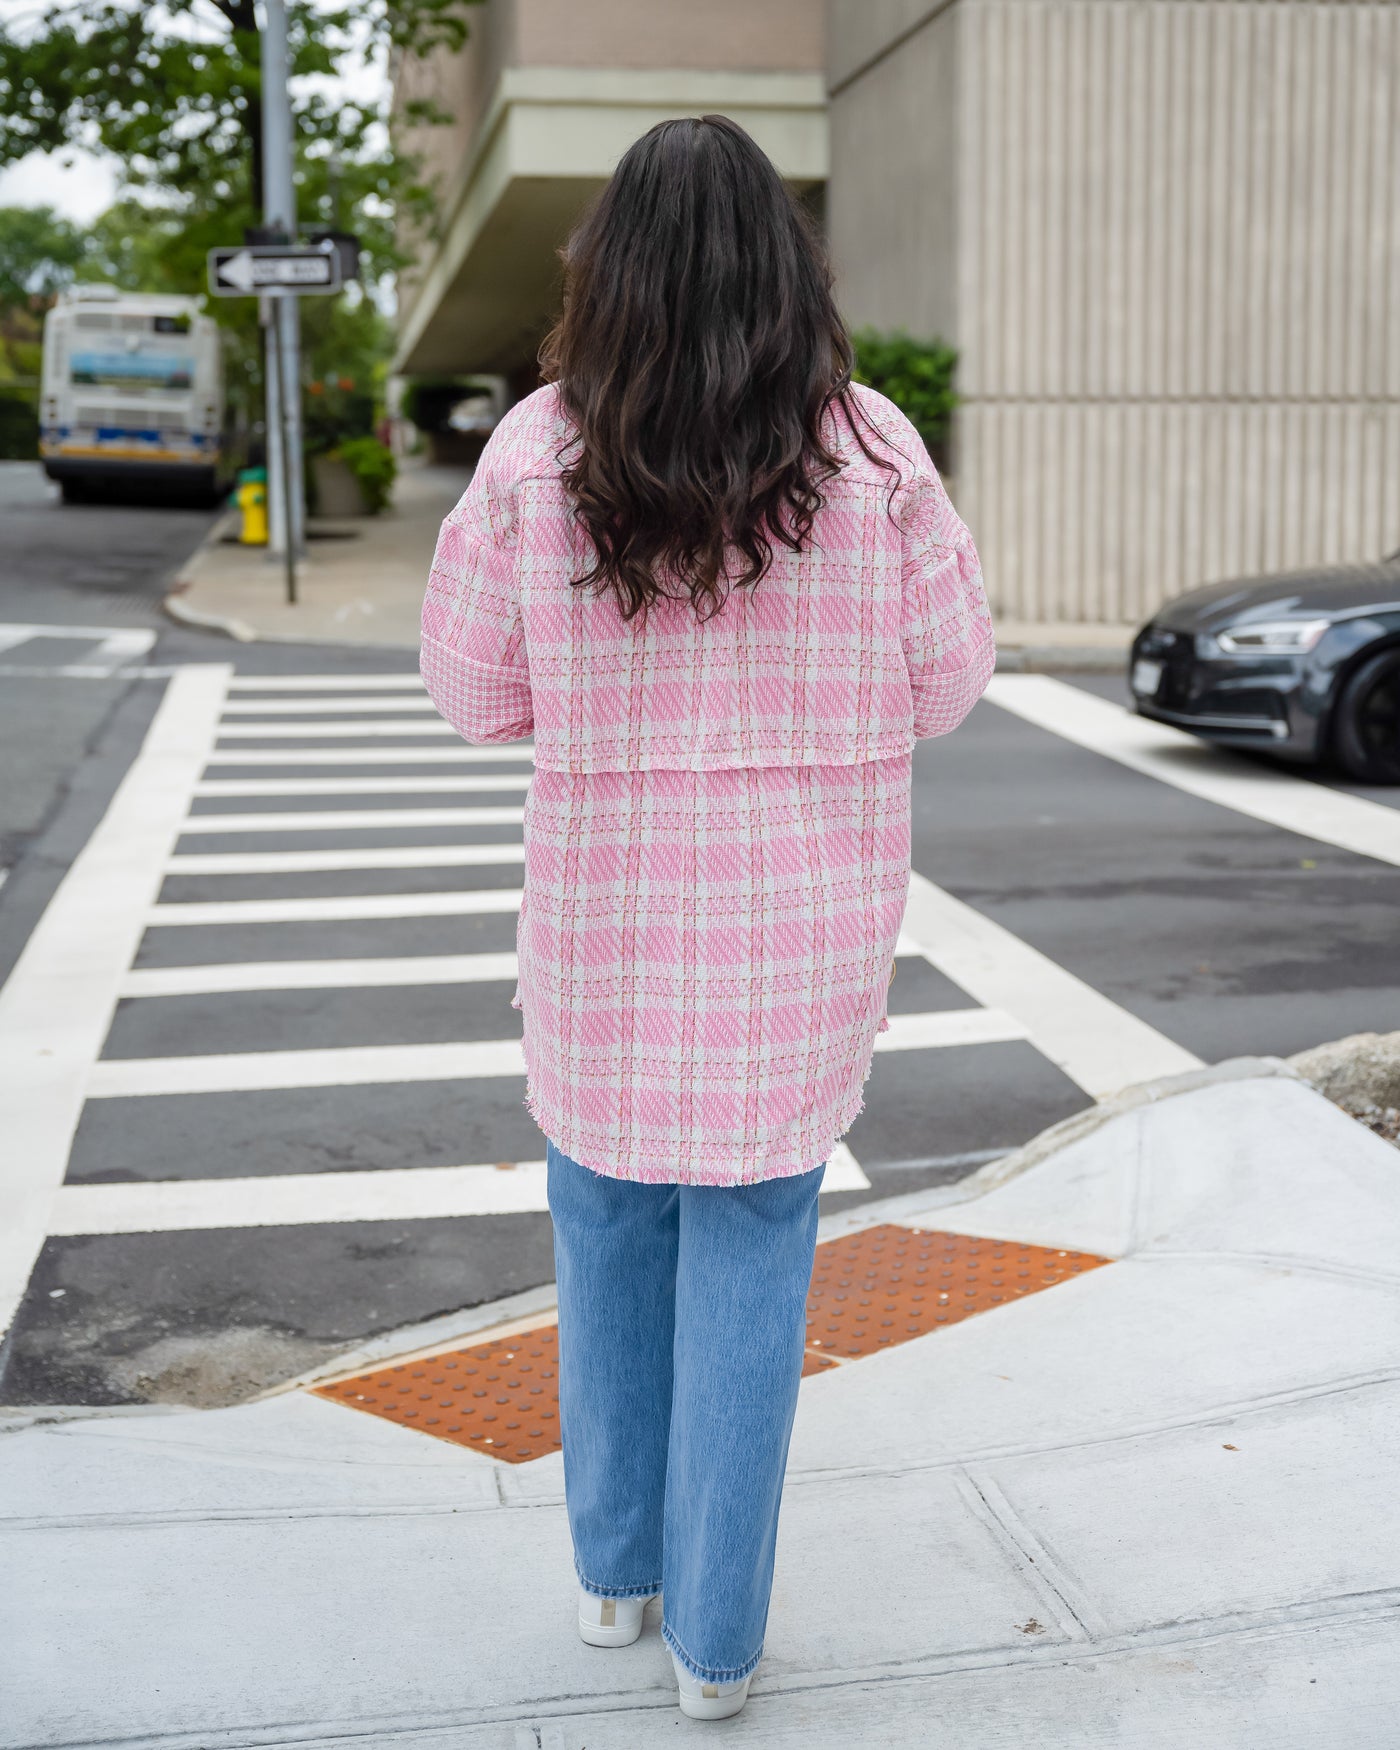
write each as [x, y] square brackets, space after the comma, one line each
[1098, 1045]
[371, 756]
[1173, 757]
[331, 820]
[120, 648]
[262, 975]
[323, 862]
[180, 981]
[57, 1005]
[470, 902]
[308, 1199]
[246, 1072]
[326, 683]
[359, 786]
[274, 708]
[942, 1027]
[306, 731]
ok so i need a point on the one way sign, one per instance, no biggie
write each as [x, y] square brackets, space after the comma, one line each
[272, 267]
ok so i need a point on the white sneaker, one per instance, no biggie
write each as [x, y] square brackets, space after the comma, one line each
[610, 1622]
[709, 1701]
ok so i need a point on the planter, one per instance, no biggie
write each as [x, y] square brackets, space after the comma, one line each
[337, 490]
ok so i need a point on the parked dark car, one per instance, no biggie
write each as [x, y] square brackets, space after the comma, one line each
[1305, 665]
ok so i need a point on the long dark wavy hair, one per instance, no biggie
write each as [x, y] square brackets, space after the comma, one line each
[698, 352]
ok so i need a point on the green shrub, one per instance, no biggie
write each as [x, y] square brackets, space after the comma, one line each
[373, 466]
[917, 375]
[19, 424]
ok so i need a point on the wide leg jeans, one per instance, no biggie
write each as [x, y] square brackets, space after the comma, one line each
[682, 1321]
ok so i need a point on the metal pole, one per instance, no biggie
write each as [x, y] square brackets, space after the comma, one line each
[289, 552]
[279, 213]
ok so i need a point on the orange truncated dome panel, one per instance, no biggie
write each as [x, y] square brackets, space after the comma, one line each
[869, 1292]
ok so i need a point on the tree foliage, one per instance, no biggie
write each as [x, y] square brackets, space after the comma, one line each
[40, 251]
[173, 93]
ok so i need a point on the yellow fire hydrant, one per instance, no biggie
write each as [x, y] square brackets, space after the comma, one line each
[251, 498]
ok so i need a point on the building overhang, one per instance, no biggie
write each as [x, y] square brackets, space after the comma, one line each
[550, 139]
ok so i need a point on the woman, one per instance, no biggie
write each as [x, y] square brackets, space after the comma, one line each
[725, 590]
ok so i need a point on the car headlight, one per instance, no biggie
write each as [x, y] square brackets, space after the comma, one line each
[1264, 638]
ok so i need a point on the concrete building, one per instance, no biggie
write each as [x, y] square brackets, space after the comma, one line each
[545, 98]
[1164, 235]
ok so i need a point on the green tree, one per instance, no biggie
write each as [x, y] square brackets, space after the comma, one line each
[39, 252]
[173, 93]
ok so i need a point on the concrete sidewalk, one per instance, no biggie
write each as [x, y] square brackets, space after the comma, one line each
[1153, 1505]
[362, 582]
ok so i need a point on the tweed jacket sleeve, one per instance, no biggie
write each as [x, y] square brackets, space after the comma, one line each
[947, 627]
[473, 657]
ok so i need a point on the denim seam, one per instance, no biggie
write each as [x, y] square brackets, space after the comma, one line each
[600, 1591]
[708, 1673]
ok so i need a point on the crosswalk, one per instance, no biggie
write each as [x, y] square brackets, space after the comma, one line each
[258, 1066]
[276, 907]
[273, 840]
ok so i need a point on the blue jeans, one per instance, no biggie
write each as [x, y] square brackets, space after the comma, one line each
[682, 1322]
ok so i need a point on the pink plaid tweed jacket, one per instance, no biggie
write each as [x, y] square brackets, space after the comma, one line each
[717, 831]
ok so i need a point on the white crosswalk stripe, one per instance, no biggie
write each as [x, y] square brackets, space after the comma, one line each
[337, 909]
[351, 819]
[359, 786]
[369, 756]
[321, 862]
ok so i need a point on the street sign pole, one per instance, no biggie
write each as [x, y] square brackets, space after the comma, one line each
[286, 479]
[285, 471]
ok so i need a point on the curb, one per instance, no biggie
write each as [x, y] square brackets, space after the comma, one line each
[184, 615]
[1060, 659]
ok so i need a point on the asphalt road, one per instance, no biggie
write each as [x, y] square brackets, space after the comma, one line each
[297, 1124]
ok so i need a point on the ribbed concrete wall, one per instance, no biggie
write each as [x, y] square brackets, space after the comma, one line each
[1177, 242]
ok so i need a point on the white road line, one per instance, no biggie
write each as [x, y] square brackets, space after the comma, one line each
[13, 632]
[297, 1199]
[326, 683]
[1173, 757]
[308, 707]
[320, 1067]
[323, 862]
[373, 756]
[306, 731]
[119, 648]
[341, 909]
[264, 1071]
[1096, 1043]
[263, 975]
[351, 820]
[57, 1005]
[81, 671]
[360, 786]
[940, 1027]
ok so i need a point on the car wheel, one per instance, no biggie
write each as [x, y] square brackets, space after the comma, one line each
[1366, 740]
[73, 491]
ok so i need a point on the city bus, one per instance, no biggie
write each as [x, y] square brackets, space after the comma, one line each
[132, 396]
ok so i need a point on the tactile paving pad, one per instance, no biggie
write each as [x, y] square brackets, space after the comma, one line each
[500, 1397]
[887, 1284]
[869, 1292]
